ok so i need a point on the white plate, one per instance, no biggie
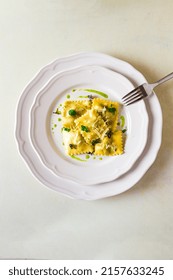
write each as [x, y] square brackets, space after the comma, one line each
[48, 141]
[67, 187]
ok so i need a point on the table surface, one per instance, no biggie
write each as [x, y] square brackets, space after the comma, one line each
[37, 223]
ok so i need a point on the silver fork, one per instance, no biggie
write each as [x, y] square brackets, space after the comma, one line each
[143, 91]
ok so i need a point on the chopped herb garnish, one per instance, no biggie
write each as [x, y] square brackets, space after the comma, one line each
[59, 119]
[124, 130]
[87, 156]
[90, 96]
[90, 153]
[112, 110]
[57, 112]
[72, 112]
[96, 141]
[109, 134]
[72, 146]
[84, 128]
[68, 96]
[55, 125]
[66, 129]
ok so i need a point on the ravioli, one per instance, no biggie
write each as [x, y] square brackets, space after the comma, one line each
[75, 144]
[73, 110]
[90, 126]
[110, 146]
[109, 111]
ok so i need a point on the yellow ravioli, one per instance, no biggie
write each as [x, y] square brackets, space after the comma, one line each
[109, 110]
[76, 108]
[90, 127]
[75, 144]
[110, 146]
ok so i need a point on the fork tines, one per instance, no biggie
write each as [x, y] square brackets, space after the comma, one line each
[134, 95]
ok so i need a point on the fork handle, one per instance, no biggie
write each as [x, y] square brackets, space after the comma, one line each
[163, 80]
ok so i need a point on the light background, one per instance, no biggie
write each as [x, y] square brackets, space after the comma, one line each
[37, 223]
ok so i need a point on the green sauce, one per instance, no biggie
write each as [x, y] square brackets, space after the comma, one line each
[77, 158]
[87, 157]
[93, 91]
[97, 92]
[83, 96]
[122, 119]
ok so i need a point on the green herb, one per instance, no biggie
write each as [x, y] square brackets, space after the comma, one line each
[100, 158]
[73, 90]
[68, 96]
[87, 156]
[109, 134]
[59, 119]
[55, 125]
[124, 130]
[66, 129]
[96, 141]
[72, 146]
[112, 110]
[57, 112]
[90, 96]
[84, 128]
[72, 112]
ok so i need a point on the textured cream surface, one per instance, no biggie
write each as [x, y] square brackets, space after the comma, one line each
[39, 223]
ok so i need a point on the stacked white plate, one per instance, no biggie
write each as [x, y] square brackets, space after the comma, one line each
[39, 137]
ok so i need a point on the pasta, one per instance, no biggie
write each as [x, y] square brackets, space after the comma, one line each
[75, 144]
[90, 126]
[73, 110]
[110, 146]
[109, 110]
